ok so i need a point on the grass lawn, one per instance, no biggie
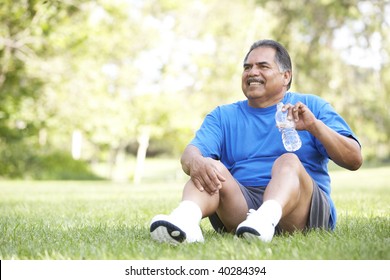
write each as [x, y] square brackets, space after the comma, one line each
[105, 220]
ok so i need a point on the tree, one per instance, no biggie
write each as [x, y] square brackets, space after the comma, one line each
[323, 38]
[115, 72]
[24, 28]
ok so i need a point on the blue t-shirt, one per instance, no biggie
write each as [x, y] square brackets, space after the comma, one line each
[247, 141]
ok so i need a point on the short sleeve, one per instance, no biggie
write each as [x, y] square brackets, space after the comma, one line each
[208, 139]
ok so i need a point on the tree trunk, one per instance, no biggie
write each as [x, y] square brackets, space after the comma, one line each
[143, 144]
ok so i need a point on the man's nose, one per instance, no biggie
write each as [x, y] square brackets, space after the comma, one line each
[254, 71]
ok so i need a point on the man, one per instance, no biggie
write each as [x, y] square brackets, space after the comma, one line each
[237, 163]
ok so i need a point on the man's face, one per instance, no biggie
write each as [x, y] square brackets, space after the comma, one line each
[262, 82]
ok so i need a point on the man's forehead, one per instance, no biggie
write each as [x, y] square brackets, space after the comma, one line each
[266, 54]
[262, 52]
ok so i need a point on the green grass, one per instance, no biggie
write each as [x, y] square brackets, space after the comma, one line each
[104, 220]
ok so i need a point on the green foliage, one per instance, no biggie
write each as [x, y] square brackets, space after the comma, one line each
[112, 69]
[21, 161]
[15, 159]
[59, 166]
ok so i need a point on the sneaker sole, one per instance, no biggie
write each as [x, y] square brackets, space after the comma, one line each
[248, 233]
[165, 232]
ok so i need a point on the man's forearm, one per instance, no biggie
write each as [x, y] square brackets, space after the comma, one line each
[188, 155]
[343, 150]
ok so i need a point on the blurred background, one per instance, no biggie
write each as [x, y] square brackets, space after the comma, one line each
[96, 89]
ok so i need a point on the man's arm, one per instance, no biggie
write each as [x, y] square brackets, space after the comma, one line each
[190, 153]
[344, 151]
[203, 171]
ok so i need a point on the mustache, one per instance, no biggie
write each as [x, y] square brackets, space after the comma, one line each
[254, 80]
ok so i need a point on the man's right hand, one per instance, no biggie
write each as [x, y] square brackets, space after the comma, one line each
[205, 175]
[203, 171]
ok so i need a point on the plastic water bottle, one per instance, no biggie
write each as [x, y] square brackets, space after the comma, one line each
[290, 137]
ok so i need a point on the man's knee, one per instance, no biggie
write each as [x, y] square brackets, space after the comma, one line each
[288, 161]
[288, 157]
[221, 167]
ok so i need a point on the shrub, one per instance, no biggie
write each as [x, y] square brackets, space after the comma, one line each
[19, 161]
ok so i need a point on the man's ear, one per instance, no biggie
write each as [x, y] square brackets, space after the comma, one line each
[287, 77]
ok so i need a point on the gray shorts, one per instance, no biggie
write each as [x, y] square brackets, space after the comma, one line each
[319, 210]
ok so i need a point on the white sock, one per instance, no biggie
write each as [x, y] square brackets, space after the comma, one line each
[188, 210]
[271, 210]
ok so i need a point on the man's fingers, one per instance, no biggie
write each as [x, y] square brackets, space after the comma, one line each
[295, 112]
[198, 185]
[217, 179]
[220, 177]
[208, 179]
